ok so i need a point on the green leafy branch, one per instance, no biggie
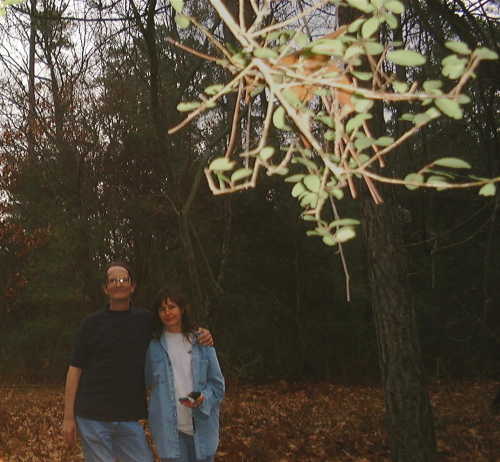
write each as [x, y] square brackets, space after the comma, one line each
[343, 73]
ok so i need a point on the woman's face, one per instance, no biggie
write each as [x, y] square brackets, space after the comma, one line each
[171, 315]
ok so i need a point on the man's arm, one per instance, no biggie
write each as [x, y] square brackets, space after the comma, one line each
[69, 423]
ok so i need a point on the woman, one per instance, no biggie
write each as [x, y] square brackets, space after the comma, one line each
[184, 430]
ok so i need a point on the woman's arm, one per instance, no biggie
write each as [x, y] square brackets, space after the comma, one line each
[213, 391]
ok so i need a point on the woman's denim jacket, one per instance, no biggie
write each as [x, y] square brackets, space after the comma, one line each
[162, 410]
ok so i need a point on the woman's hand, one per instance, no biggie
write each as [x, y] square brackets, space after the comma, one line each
[193, 404]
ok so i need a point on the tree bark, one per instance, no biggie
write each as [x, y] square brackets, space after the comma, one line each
[408, 411]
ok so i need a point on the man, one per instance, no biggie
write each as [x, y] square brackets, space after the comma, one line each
[105, 392]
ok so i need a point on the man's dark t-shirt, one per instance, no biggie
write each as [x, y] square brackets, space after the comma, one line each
[110, 349]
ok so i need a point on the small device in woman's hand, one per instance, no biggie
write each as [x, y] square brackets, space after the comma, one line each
[191, 398]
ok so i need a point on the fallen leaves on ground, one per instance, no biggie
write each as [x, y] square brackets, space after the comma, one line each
[278, 422]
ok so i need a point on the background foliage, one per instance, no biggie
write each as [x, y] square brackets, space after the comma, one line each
[88, 174]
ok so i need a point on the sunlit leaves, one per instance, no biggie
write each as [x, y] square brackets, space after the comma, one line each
[395, 7]
[265, 53]
[458, 47]
[370, 27]
[488, 190]
[330, 47]
[177, 5]
[449, 107]
[221, 164]
[362, 5]
[240, 174]
[453, 66]
[266, 153]
[485, 53]
[413, 178]
[452, 162]
[406, 58]
[186, 107]
[182, 21]
[279, 119]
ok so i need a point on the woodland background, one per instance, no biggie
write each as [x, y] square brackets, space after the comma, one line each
[88, 174]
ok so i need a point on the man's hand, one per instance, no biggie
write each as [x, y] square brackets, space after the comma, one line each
[69, 431]
[205, 337]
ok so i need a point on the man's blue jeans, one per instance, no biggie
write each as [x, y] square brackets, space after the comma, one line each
[113, 441]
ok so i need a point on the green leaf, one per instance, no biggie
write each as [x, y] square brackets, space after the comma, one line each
[485, 53]
[433, 113]
[458, 47]
[292, 98]
[182, 21]
[345, 234]
[354, 50]
[279, 119]
[329, 47]
[266, 153]
[421, 119]
[400, 87]
[312, 182]
[309, 199]
[453, 66]
[370, 27]
[362, 5]
[362, 75]
[330, 135]
[384, 141]
[214, 89]
[327, 120]
[391, 20]
[430, 85]
[406, 58]
[452, 162]
[408, 116]
[295, 178]
[394, 7]
[240, 174]
[413, 178]
[463, 99]
[329, 240]
[221, 164]
[355, 25]
[361, 104]
[301, 39]
[373, 48]
[437, 180]
[449, 107]
[177, 5]
[488, 190]
[185, 107]
[337, 193]
[356, 122]
[281, 171]
[298, 190]
[265, 53]
[344, 222]
[363, 142]
[308, 217]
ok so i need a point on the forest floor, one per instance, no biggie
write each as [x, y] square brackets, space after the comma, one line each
[279, 422]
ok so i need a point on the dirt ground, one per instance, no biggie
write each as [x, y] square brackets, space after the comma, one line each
[279, 422]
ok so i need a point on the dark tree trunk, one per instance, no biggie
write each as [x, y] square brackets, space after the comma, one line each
[408, 411]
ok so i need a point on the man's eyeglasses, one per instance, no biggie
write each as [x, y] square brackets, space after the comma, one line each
[116, 281]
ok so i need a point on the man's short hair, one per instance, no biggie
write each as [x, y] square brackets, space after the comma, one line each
[121, 264]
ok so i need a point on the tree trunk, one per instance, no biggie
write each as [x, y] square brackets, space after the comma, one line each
[408, 411]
